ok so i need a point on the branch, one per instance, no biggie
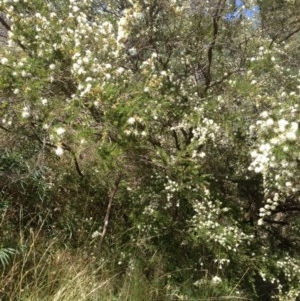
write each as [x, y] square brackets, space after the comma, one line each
[289, 35]
[4, 23]
[187, 136]
[176, 140]
[107, 215]
[4, 128]
[276, 222]
[224, 78]
[287, 209]
[216, 18]
[8, 28]
[68, 148]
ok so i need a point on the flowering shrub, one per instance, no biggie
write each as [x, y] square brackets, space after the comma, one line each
[137, 152]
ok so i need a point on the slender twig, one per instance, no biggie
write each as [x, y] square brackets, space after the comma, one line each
[4, 128]
[68, 148]
[177, 144]
[107, 215]
[236, 286]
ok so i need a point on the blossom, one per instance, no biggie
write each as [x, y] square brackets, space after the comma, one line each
[132, 51]
[291, 136]
[282, 123]
[216, 280]
[4, 61]
[60, 131]
[269, 122]
[96, 234]
[59, 151]
[264, 114]
[44, 101]
[25, 112]
[131, 120]
[120, 70]
[260, 222]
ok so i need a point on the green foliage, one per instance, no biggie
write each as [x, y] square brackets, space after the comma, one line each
[5, 255]
[114, 157]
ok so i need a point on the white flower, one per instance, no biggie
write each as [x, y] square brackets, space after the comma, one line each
[59, 151]
[52, 66]
[75, 9]
[202, 155]
[265, 147]
[4, 60]
[258, 169]
[291, 136]
[96, 234]
[132, 51]
[131, 120]
[274, 141]
[264, 114]
[120, 70]
[60, 131]
[216, 280]
[44, 101]
[25, 113]
[282, 124]
[260, 222]
[294, 126]
[270, 122]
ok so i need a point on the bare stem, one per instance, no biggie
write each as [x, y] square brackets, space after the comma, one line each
[107, 215]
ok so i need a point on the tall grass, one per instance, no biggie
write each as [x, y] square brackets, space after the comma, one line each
[44, 270]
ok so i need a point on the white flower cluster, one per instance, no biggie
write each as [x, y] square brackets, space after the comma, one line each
[291, 268]
[207, 129]
[171, 188]
[262, 52]
[133, 15]
[271, 205]
[222, 262]
[132, 130]
[276, 157]
[207, 222]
